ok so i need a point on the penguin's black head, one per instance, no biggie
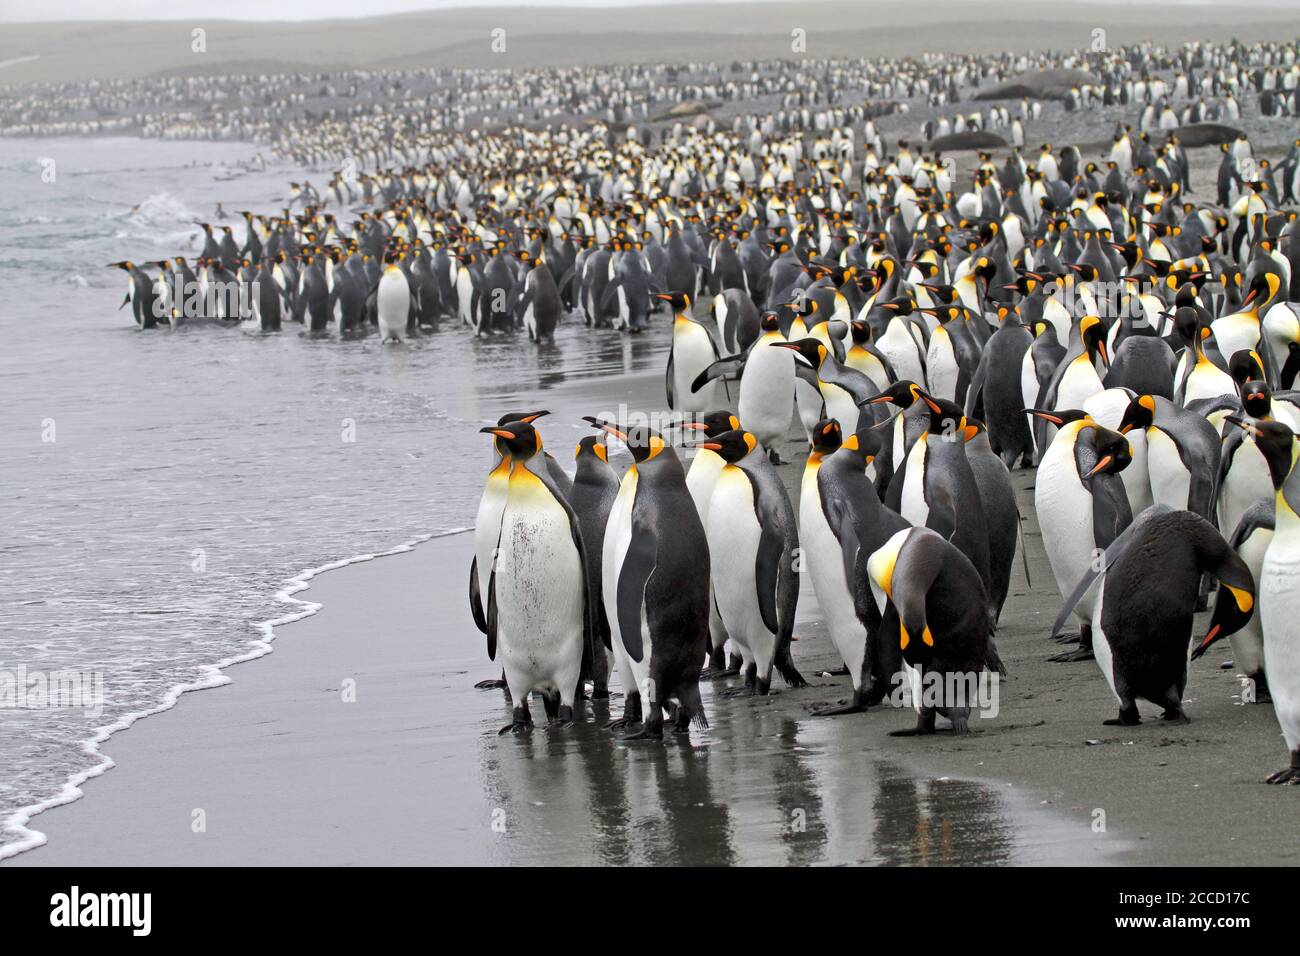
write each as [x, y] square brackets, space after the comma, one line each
[1092, 330]
[591, 445]
[826, 436]
[802, 305]
[526, 417]
[902, 305]
[1059, 417]
[866, 442]
[1141, 412]
[680, 301]
[1257, 399]
[810, 350]
[714, 424]
[861, 331]
[1276, 443]
[902, 394]
[1262, 290]
[946, 418]
[518, 439]
[732, 446]
[1113, 452]
[642, 441]
[1245, 366]
[769, 322]
[1233, 607]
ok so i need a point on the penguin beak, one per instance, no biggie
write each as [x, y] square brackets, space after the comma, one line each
[695, 426]
[1105, 355]
[529, 419]
[499, 432]
[606, 427]
[784, 345]
[879, 400]
[931, 402]
[1243, 425]
[1210, 637]
[663, 295]
[1101, 465]
[1250, 297]
[1045, 415]
[710, 445]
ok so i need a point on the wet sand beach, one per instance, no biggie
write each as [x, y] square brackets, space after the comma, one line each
[281, 767]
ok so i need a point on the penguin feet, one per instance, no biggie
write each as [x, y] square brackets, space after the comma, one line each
[614, 726]
[961, 726]
[744, 690]
[924, 726]
[494, 684]
[1070, 657]
[775, 458]
[1291, 775]
[563, 718]
[600, 693]
[1128, 717]
[522, 723]
[839, 672]
[652, 729]
[1176, 716]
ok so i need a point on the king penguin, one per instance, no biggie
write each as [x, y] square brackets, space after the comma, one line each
[1142, 617]
[693, 350]
[655, 585]
[538, 614]
[753, 542]
[595, 486]
[1081, 505]
[937, 611]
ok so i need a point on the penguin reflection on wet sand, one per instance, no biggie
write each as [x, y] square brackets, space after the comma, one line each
[1142, 618]
[753, 543]
[538, 613]
[655, 586]
[937, 610]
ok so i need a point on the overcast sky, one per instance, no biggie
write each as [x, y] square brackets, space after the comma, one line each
[12, 10]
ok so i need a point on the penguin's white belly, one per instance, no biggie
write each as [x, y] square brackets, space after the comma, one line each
[823, 559]
[1248, 643]
[692, 354]
[733, 534]
[618, 535]
[1246, 482]
[1171, 482]
[1279, 609]
[391, 304]
[841, 407]
[1029, 384]
[1208, 381]
[1064, 509]
[539, 595]
[941, 365]
[1077, 385]
[1100, 643]
[465, 297]
[1235, 333]
[767, 394]
[913, 505]
[810, 405]
[487, 527]
[899, 347]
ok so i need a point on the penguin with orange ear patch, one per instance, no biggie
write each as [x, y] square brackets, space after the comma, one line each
[936, 611]
[1142, 618]
[538, 614]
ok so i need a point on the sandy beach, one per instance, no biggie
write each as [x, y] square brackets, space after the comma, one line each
[281, 767]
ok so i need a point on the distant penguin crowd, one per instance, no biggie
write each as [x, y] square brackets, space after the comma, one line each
[923, 326]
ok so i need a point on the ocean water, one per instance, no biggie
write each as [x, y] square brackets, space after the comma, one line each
[162, 487]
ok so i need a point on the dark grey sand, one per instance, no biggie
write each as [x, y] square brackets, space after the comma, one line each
[558, 36]
[413, 772]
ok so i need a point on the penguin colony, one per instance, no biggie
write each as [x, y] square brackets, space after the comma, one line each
[1098, 320]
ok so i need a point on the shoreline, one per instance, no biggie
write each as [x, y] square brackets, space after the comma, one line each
[212, 676]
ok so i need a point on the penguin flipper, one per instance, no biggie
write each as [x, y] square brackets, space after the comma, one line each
[475, 598]
[1100, 566]
[492, 616]
[731, 365]
[668, 383]
[806, 372]
[638, 565]
[769, 560]
[839, 515]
